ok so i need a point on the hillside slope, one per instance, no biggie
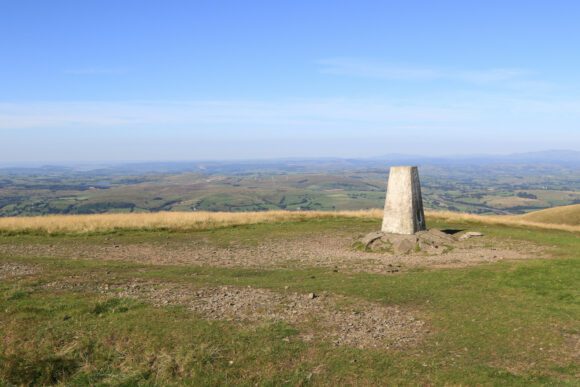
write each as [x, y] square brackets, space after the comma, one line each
[569, 215]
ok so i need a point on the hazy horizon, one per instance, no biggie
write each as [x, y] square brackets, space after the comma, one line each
[547, 154]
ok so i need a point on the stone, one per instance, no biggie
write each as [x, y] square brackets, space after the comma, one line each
[438, 235]
[403, 212]
[470, 234]
[376, 241]
[431, 242]
[404, 245]
[371, 237]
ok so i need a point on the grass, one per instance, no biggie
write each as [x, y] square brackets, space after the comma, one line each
[510, 220]
[555, 219]
[176, 221]
[509, 323]
[563, 215]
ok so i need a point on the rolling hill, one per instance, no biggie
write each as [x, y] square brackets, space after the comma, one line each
[569, 215]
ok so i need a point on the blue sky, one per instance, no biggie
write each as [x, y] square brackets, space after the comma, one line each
[186, 80]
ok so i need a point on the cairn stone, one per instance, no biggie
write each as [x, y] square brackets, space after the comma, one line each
[470, 234]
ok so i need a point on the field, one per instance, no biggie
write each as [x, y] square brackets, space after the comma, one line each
[308, 186]
[278, 298]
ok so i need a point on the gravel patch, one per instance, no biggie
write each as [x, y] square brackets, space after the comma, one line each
[338, 319]
[10, 269]
[363, 325]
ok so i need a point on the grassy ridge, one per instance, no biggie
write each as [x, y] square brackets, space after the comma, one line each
[553, 223]
[561, 215]
[560, 218]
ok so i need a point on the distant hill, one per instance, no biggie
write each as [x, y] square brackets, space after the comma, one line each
[569, 215]
[559, 156]
[556, 157]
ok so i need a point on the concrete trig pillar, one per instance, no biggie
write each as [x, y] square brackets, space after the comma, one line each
[404, 204]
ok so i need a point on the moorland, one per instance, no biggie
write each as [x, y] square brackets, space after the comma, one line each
[287, 298]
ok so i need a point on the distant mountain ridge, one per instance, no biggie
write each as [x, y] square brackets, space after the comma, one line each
[559, 155]
[549, 156]
[565, 158]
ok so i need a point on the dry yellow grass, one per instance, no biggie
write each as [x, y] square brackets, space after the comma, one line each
[558, 215]
[181, 221]
[508, 220]
[189, 221]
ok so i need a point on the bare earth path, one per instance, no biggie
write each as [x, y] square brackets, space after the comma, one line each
[324, 250]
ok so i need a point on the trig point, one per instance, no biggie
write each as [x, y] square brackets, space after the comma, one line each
[404, 204]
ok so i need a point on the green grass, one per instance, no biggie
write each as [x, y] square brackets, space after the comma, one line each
[507, 323]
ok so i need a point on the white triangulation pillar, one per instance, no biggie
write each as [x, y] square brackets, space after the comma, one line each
[404, 204]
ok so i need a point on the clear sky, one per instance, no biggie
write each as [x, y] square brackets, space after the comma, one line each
[188, 80]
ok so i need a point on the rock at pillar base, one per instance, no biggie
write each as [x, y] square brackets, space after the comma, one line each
[432, 242]
[404, 203]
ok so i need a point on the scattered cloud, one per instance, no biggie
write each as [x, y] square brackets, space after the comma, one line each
[304, 114]
[351, 127]
[516, 107]
[379, 70]
[353, 116]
